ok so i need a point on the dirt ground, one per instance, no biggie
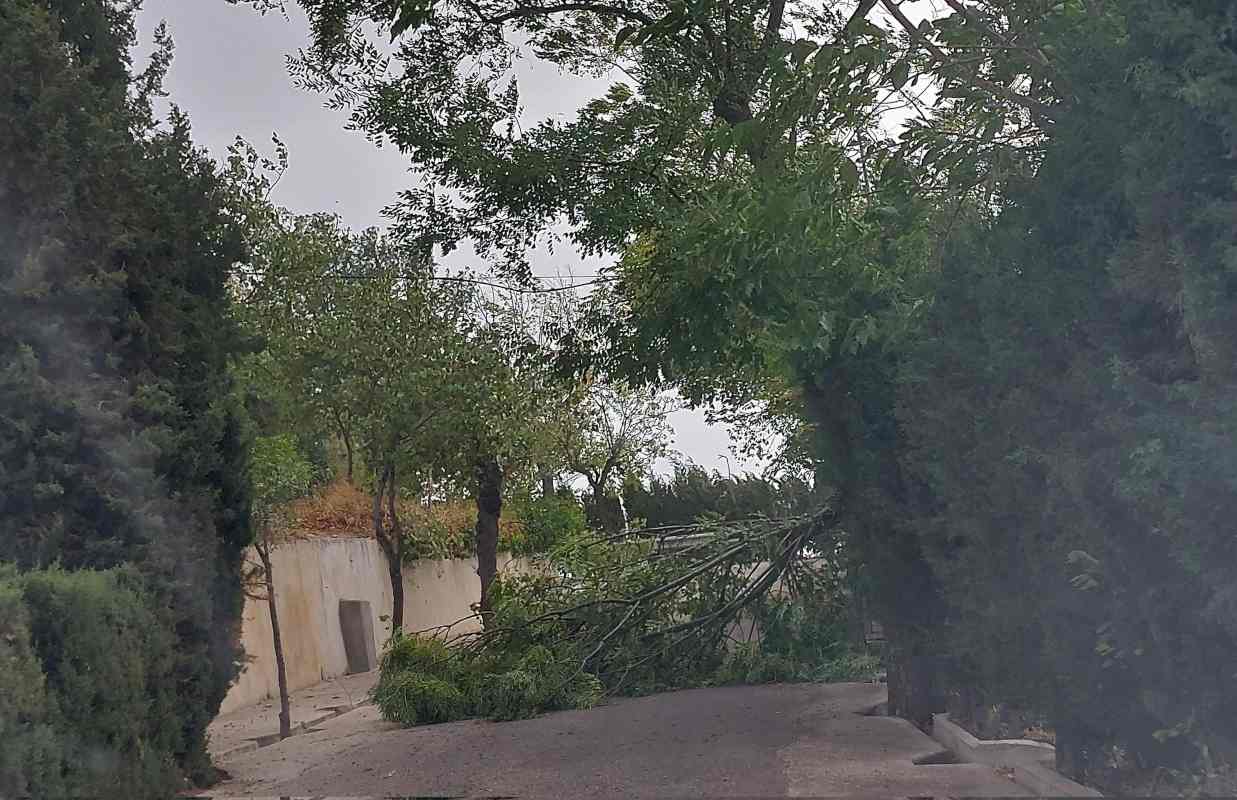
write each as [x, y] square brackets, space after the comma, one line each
[766, 741]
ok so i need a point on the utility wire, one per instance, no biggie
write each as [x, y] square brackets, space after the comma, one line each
[594, 280]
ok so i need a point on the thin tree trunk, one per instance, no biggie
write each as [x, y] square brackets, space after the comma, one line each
[397, 593]
[397, 558]
[346, 436]
[281, 670]
[489, 495]
[547, 485]
[390, 549]
[604, 518]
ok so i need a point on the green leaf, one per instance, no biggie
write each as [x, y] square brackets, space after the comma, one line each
[848, 173]
[412, 14]
[823, 60]
[899, 74]
[800, 50]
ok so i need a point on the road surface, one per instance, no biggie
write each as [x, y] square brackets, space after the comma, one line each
[765, 741]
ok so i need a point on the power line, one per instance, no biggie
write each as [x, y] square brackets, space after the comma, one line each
[594, 280]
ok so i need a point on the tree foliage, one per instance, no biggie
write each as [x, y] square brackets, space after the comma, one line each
[1006, 327]
[737, 172]
[120, 439]
[361, 336]
[610, 432]
[692, 493]
[1069, 403]
[90, 695]
[280, 475]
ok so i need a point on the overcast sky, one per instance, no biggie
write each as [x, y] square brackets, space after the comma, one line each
[229, 75]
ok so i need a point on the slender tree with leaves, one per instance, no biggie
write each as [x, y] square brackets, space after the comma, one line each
[280, 474]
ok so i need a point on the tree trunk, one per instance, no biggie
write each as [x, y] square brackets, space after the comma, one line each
[396, 560]
[547, 485]
[397, 593]
[905, 598]
[390, 548]
[281, 670]
[1071, 756]
[346, 437]
[914, 679]
[489, 493]
[608, 509]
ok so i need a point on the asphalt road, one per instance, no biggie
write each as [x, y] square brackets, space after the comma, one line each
[762, 741]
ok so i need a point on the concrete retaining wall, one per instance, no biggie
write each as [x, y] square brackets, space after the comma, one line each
[311, 576]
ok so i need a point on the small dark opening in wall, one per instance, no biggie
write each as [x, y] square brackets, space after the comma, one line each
[356, 623]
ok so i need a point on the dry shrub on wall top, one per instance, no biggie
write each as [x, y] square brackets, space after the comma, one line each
[444, 530]
[338, 509]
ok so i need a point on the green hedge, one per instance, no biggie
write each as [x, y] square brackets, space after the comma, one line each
[87, 687]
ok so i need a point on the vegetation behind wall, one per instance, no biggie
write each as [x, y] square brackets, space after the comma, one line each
[444, 529]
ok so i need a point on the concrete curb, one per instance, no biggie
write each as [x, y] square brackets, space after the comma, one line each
[1030, 763]
[304, 726]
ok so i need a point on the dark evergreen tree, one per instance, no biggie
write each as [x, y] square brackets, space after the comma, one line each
[120, 440]
[1072, 405]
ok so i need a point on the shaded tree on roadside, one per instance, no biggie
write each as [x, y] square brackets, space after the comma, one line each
[121, 439]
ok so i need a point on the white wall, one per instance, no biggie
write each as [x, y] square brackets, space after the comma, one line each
[311, 576]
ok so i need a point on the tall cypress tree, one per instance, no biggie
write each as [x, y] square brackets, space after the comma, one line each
[119, 438]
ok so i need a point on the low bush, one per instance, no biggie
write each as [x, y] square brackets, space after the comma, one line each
[849, 666]
[31, 758]
[425, 655]
[445, 529]
[513, 694]
[87, 687]
[423, 682]
[747, 663]
[563, 683]
[414, 698]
